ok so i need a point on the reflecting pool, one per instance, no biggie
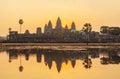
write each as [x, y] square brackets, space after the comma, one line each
[60, 64]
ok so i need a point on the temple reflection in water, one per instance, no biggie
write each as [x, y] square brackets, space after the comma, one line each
[111, 56]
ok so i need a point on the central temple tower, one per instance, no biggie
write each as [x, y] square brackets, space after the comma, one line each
[58, 24]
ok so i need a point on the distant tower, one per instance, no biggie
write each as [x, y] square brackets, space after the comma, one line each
[49, 25]
[49, 28]
[58, 24]
[66, 27]
[38, 31]
[73, 27]
[45, 29]
[66, 30]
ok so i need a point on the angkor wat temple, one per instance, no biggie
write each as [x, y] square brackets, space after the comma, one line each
[65, 35]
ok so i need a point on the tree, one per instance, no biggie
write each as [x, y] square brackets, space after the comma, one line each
[114, 30]
[87, 28]
[104, 29]
[20, 22]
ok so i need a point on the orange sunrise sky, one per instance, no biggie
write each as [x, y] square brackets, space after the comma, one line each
[36, 13]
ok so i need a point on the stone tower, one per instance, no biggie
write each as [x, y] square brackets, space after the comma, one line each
[58, 24]
[45, 29]
[38, 31]
[73, 27]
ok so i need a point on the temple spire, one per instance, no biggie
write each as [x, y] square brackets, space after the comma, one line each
[58, 24]
[73, 26]
[50, 24]
[66, 27]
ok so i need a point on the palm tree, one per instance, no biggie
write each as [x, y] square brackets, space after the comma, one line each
[87, 28]
[20, 22]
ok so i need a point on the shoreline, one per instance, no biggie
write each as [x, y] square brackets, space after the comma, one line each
[60, 46]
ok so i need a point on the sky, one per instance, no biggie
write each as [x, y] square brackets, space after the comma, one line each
[37, 13]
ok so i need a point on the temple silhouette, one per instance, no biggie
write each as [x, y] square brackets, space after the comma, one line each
[59, 34]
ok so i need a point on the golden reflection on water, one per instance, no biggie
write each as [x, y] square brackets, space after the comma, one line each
[57, 65]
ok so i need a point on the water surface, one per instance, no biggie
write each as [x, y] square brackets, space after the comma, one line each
[60, 64]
